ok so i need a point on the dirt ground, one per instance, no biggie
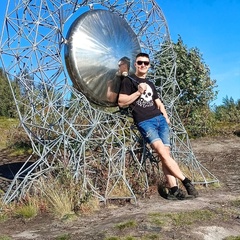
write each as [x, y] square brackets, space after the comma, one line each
[221, 156]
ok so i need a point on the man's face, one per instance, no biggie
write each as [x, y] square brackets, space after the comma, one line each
[122, 67]
[142, 65]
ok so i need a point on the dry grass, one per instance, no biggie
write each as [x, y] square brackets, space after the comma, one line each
[27, 211]
[59, 198]
[65, 197]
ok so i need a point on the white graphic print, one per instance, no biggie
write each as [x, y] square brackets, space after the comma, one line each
[146, 98]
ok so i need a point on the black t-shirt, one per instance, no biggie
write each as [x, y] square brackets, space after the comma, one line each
[144, 107]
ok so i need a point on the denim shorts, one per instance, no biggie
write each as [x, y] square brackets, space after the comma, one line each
[155, 129]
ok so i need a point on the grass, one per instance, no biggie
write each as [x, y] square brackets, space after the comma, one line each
[27, 211]
[144, 237]
[64, 237]
[182, 218]
[122, 238]
[27, 208]
[5, 238]
[128, 224]
[236, 203]
[65, 197]
[3, 217]
[172, 220]
[120, 189]
[60, 200]
[188, 218]
[7, 126]
[13, 137]
[112, 238]
[232, 238]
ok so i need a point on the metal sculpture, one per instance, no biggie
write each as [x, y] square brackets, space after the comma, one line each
[64, 127]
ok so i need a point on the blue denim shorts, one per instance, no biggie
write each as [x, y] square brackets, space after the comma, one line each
[155, 129]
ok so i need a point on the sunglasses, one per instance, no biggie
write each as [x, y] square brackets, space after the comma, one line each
[146, 63]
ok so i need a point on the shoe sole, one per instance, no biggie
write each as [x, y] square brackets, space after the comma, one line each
[187, 197]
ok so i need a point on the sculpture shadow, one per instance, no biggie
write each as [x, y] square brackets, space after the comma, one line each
[10, 170]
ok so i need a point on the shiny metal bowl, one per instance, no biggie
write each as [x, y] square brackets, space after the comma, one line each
[96, 41]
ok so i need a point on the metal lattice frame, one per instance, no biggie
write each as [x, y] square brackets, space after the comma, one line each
[63, 126]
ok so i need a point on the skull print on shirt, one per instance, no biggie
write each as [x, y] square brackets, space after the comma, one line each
[146, 99]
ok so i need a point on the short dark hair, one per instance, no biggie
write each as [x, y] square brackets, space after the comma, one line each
[141, 54]
[125, 60]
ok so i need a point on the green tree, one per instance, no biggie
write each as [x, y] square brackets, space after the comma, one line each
[193, 77]
[229, 111]
[196, 87]
[7, 104]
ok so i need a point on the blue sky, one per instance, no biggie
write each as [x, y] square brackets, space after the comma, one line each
[213, 26]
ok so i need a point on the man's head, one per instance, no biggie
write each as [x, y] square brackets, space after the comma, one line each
[124, 64]
[142, 64]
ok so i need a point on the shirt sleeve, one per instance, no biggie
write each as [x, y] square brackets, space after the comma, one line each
[126, 86]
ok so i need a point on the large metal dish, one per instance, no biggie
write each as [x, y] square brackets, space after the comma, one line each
[95, 42]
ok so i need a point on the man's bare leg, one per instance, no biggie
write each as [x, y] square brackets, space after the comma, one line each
[171, 170]
[168, 163]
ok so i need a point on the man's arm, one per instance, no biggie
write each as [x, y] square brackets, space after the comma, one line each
[162, 109]
[125, 99]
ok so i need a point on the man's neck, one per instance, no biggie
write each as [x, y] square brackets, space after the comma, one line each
[141, 75]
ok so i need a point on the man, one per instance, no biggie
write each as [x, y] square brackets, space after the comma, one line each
[113, 86]
[151, 118]
[123, 66]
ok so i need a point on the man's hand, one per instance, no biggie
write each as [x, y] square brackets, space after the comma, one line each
[142, 87]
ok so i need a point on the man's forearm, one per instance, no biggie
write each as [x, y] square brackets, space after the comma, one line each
[125, 100]
[162, 109]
